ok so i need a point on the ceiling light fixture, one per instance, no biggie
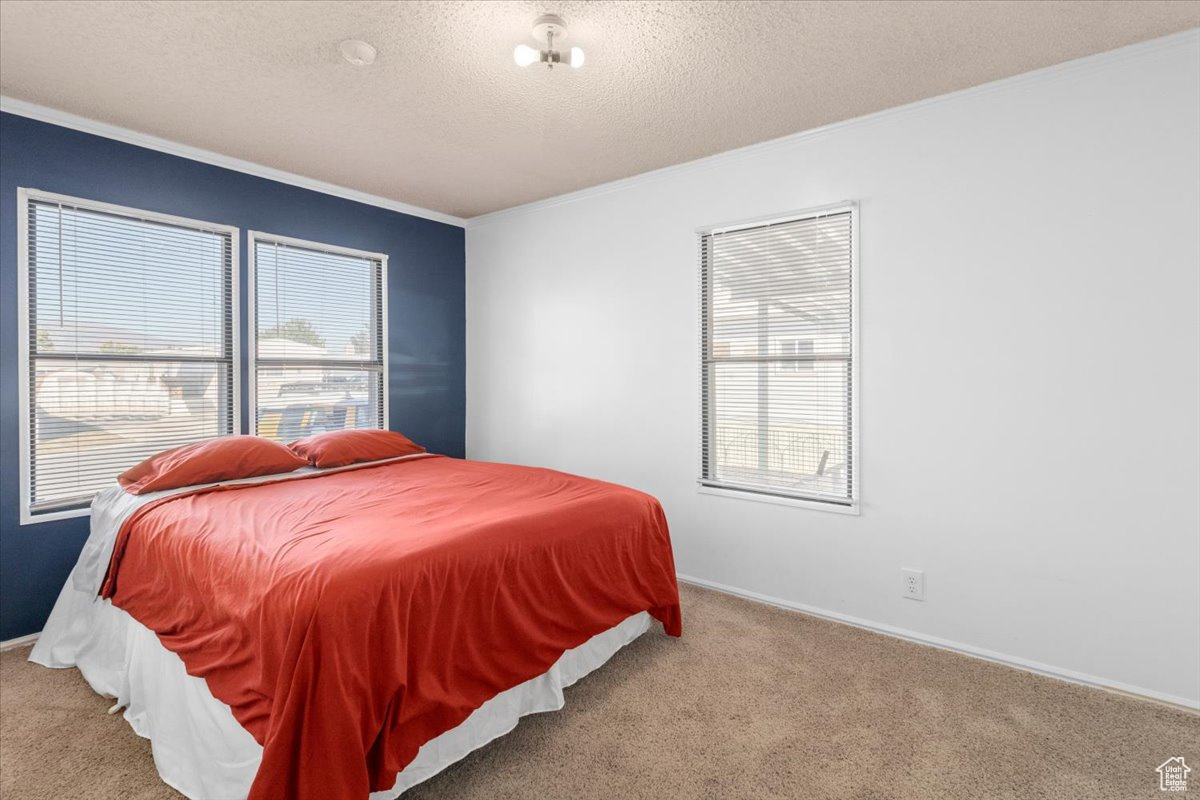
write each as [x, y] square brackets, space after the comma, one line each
[547, 29]
[357, 52]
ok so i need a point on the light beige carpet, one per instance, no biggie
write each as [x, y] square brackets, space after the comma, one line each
[753, 702]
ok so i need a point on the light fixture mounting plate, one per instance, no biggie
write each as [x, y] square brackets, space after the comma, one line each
[548, 24]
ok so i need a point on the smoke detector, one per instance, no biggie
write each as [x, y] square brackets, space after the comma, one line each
[357, 52]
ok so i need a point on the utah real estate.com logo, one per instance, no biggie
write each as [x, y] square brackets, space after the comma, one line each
[1172, 775]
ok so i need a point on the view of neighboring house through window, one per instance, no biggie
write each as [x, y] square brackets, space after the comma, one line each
[129, 342]
[777, 350]
[795, 347]
[319, 350]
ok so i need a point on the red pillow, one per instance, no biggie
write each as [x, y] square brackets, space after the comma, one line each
[339, 448]
[224, 459]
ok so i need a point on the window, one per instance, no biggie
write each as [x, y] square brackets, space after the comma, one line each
[319, 353]
[795, 347]
[127, 343]
[777, 316]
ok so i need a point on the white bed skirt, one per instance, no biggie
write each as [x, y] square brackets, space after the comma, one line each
[199, 747]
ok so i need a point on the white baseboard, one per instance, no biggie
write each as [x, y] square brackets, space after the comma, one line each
[20, 641]
[963, 649]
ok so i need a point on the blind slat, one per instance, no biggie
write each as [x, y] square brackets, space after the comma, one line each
[777, 358]
[130, 343]
[319, 351]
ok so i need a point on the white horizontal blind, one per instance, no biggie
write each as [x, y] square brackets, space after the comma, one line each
[130, 342]
[320, 347]
[777, 358]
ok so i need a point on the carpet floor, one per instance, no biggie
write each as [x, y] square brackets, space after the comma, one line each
[753, 702]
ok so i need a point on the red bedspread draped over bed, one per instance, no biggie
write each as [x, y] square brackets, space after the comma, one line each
[351, 617]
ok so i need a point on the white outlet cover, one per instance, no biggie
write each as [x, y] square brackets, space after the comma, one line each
[912, 584]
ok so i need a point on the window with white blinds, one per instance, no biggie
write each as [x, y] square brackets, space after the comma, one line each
[777, 351]
[128, 342]
[320, 352]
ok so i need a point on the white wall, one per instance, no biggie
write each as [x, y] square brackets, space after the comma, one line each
[1030, 279]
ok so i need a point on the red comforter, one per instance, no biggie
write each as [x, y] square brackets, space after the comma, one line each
[350, 617]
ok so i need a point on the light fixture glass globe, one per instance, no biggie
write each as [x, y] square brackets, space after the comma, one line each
[576, 57]
[525, 55]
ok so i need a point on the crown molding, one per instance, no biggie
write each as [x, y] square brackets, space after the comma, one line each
[1083, 65]
[64, 119]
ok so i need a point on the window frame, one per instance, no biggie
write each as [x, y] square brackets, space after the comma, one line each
[25, 440]
[797, 350]
[705, 485]
[252, 238]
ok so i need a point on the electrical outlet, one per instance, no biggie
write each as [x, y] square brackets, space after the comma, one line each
[913, 586]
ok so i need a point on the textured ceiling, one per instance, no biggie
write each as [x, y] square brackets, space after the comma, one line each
[445, 120]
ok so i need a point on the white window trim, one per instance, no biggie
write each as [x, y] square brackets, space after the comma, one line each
[24, 196]
[853, 507]
[252, 323]
[778, 499]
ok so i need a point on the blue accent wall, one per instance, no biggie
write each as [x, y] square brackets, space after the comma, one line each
[426, 307]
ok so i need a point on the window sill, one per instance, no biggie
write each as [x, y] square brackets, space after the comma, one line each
[28, 518]
[795, 502]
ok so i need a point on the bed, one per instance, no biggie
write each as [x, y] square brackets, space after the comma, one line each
[348, 632]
